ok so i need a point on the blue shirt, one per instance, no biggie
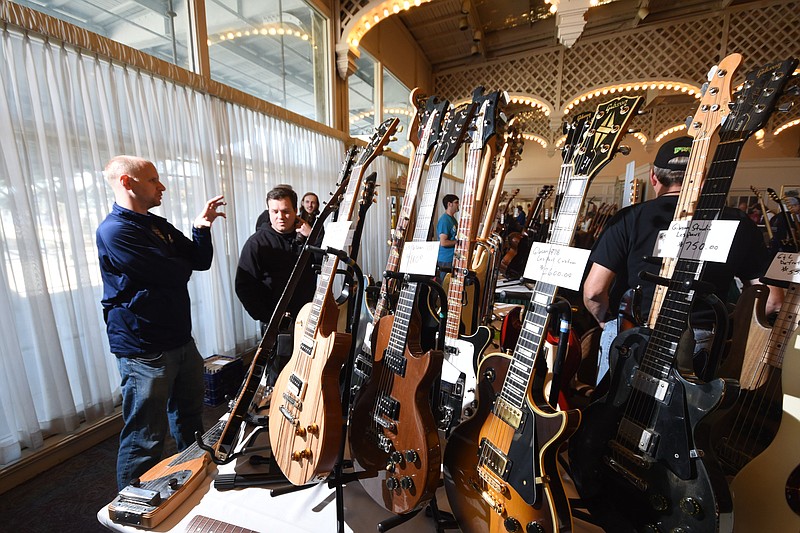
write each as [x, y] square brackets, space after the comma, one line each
[447, 225]
[146, 264]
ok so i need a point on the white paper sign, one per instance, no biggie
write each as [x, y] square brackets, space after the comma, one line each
[701, 240]
[338, 235]
[785, 267]
[556, 264]
[419, 258]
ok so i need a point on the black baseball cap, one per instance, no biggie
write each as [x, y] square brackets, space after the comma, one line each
[679, 147]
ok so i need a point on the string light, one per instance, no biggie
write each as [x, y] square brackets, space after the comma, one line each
[626, 87]
[786, 126]
[535, 138]
[670, 131]
[375, 15]
[276, 28]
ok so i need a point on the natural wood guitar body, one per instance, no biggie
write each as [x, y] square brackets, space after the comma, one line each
[305, 419]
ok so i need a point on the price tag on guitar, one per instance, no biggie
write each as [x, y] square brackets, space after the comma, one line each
[785, 267]
[420, 258]
[338, 235]
[701, 240]
[557, 264]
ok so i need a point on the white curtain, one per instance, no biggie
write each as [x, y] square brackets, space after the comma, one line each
[63, 114]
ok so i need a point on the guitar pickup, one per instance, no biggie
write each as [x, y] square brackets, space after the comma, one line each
[396, 362]
[654, 387]
[389, 407]
[492, 458]
[141, 496]
[296, 385]
[362, 366]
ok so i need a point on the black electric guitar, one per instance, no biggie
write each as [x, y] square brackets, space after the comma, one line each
[430, 125]
[306, 423]
[393, 433]
[641, 460]
[791, 242]
[501, 471]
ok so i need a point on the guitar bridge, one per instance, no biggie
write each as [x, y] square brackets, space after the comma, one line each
[288, 416]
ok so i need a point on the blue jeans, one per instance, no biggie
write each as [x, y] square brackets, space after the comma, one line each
[159, 390]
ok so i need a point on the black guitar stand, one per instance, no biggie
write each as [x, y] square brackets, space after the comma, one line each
[561, 310]
[443, 520]
[337, 478]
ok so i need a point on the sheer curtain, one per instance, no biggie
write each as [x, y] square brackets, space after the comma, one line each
[63, 114]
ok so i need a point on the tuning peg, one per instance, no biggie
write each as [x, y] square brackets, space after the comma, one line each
[785, 107]
[794, 90]
[688, 121]
[624, 150]
[703, 89]
[634, 130]
[642, 112]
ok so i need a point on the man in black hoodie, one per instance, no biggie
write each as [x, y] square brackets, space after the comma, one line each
[268, 258]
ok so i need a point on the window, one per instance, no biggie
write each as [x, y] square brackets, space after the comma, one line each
[361, 88]
[159, 28]
[276, 50]
[396, 104]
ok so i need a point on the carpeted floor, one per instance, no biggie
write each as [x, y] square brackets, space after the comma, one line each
[66, 498]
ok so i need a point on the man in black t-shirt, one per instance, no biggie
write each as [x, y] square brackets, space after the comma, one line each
[620, 252]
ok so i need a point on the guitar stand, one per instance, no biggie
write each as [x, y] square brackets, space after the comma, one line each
[337, 479]
[563, 310]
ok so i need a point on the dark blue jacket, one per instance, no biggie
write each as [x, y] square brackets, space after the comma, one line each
[146, 264]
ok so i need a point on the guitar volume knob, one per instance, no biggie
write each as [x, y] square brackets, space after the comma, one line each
[690, 506]
[411, 456]
[511, 524]
[534, 527]
[396, 457]
[392, 483]
[658, 502]
[407, 483]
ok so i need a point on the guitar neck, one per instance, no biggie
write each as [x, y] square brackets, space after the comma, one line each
[204, 524]
[462, 254]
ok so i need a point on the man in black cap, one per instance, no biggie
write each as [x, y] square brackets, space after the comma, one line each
[629, 238]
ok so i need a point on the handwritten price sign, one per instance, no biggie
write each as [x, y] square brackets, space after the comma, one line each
[557, 264]
[701, 240]
[419, 258]
[785, 267]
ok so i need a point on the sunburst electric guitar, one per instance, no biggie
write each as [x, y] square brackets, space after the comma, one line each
[501, 472]
[306, 423]
[641, 460]
[393, 432]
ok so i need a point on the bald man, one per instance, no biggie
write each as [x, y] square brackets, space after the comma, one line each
[145, 264]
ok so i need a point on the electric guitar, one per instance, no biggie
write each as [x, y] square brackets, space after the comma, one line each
[204, 524]
[234, 433]
[501, 472]
[764, 211]
[431, 120]
[519, 243]
[641, 460]
[710, 113]
[461, 351]
[790, 242]
[393, 433]
[755, 358]
[305, 418]
[164, 487]
[766, 492]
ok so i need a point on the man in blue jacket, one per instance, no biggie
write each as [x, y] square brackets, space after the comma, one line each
[146, 263]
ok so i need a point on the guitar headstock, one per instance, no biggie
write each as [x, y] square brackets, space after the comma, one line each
[453, 131]
[773, 195]
[431, 116]
[545, 192]
[487, 120]
[379, 139]
[511, 152]
[369, 192]
[417, 100]
[609, 124]
[716, 98]
[755, 190]
[574, 131]
[754, 104]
